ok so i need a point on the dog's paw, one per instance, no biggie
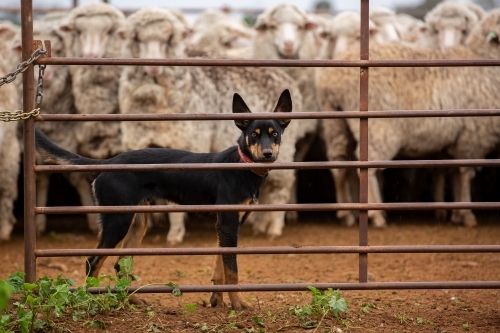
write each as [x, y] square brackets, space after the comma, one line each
[238, 303]
[217, 301]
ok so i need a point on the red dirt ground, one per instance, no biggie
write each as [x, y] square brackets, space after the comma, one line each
[369, 311]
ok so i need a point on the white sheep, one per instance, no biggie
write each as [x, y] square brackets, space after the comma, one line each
[155, 32]
[92, 28]
[287, 32]
[453, 21]
[385, 20]
[219, 35]
[433, 89]
[9, 153]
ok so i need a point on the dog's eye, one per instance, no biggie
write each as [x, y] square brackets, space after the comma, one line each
[254, 134]
[275, 133]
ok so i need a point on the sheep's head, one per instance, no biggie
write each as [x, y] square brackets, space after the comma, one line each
[153, 33]
[93, 26]
[288, 25]
[484, 38]
[343, 33]
[46, 28]
[219, 36]
[452, 22]
[385, 21]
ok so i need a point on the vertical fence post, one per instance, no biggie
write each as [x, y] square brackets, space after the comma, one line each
[363, 141]
[29, 141]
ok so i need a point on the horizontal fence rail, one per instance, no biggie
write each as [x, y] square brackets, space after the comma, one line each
[267, 208]
[266, 63]
[272, 115]
[272, 250]
[304, 287]
[271, 166]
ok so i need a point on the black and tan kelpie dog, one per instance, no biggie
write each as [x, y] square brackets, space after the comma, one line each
[259, 142]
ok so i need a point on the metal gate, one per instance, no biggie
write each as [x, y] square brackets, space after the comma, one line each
[363, 249]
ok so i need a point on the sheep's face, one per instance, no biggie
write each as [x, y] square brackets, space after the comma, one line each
[158, 40]
[93, 34]
[288, 28]
[451, 32]
[342, 33]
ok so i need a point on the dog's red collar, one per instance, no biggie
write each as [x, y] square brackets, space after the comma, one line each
[246, 159]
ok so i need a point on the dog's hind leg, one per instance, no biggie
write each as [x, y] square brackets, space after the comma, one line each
[114, 229]
[133, 239]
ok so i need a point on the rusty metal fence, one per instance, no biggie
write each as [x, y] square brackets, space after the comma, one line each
[363, 249]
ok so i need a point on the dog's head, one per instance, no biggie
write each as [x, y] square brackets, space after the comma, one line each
[261, 139]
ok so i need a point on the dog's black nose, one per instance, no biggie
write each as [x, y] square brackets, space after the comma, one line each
[268, 153]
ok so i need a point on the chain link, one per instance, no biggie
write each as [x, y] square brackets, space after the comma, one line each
[17, 115]
[22, 67]
[39, 87]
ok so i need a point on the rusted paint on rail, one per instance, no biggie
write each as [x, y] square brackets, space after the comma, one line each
[268, 208]
[321, 286]
[269, 115]
[271, 250]
[275, 166]
[266, 63]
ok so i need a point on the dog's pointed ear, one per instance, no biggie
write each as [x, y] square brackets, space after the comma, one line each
[284, 105]
[239, 106]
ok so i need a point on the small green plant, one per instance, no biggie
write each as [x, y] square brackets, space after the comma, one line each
[322, 304]
[466, 326]
[47, 299]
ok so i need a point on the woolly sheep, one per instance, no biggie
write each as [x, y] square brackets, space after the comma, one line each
[453, 21]
[9, 155]
[153, 89]
[385, 21]
[431, 88]
[218, 35]
[287, 32]
[92, 28]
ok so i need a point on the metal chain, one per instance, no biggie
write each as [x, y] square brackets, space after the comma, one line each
[10, 77]
[22, 67]
[18, 114]
[39, 87]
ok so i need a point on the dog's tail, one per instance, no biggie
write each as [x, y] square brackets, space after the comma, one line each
[52, 153]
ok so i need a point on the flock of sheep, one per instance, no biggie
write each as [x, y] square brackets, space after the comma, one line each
[98, 30]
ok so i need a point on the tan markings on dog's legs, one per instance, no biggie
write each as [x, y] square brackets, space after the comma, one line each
[237, 301]
[245, 215]
[133, 239]
[98, 261]
[217, 300]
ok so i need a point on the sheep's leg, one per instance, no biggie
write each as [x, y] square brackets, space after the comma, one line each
[292, 215]
[466, 215]
[438, 192]
[83, 188]
[7, 219]
[177, 228]
[455, 213]
[343, 193]
[276, 190]
[42, 191]
[374, 195]
[133, 239]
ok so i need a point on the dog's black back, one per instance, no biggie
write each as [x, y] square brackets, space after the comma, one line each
[259, 142]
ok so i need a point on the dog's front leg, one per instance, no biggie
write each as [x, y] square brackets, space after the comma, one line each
[227, 233]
